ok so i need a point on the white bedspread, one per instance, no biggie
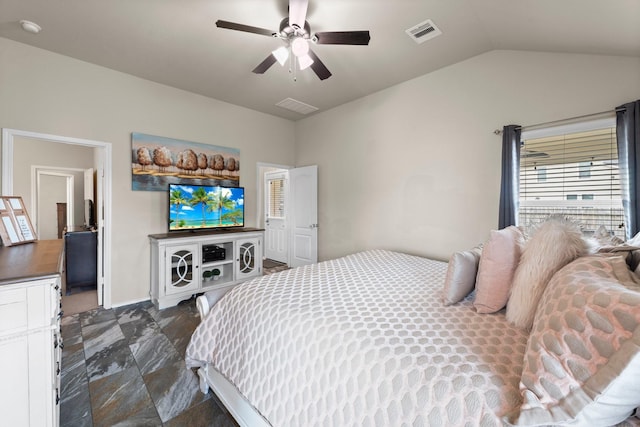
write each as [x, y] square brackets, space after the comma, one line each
[362, 340]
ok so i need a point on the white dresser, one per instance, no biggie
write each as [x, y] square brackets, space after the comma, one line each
[30, 342]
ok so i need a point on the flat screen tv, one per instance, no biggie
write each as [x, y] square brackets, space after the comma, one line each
[205, 207]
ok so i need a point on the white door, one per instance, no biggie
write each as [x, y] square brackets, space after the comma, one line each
[303, 184]
[88, 184]
[276, 228]
[99, 218]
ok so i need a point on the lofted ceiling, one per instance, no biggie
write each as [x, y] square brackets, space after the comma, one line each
[176, 42]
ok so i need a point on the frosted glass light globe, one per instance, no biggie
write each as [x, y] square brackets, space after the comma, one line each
[299, 46]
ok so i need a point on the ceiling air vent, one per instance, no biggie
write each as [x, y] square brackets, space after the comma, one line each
[296, 106]
[423, 31]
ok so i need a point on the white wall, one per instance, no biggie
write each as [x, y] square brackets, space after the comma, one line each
[45, 92]
[416, 167]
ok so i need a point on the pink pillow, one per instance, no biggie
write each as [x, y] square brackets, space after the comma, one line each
[500, 257]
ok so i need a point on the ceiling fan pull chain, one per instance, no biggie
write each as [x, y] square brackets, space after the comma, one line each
[293, 65]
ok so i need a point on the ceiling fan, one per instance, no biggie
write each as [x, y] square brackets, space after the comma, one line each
[296, 33]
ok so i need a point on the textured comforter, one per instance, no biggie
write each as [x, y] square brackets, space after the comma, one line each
[363, 340]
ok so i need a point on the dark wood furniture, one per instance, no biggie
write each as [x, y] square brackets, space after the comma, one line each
[81, 260]
[62, 218]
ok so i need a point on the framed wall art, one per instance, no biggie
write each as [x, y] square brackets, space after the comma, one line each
[157, 161]
[15, 225]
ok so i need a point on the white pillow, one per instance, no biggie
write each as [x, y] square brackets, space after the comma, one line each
[498, 262]
[552, 245]
[461, 275]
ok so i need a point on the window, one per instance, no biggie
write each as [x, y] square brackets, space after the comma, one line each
[542, 174]
[581, 178]
[276, 198]
[584, 171]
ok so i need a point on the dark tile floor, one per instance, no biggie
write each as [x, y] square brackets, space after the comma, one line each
[125, 367]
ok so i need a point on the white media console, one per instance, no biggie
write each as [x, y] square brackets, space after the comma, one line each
[184, 264]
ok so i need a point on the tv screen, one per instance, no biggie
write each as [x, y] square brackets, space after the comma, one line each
[198, 207]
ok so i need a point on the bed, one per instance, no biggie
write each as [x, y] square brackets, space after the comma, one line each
[363, 340]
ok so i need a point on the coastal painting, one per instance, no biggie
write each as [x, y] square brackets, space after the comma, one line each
[157, 161]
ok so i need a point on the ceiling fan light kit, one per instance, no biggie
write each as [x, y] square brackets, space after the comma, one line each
[296, 33]
[299, 46]
[304, 62]
[281, 54]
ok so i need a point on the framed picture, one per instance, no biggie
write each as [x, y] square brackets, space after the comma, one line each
[157, 161]
[15, 225]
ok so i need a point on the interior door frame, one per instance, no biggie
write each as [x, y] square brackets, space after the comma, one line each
[260, 183]
[36, 175]
[104, 156]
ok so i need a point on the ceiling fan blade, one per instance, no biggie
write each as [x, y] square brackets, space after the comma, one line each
[298, 12]
[246, 28]
[343, 37]
[265, 65]
[318, 67]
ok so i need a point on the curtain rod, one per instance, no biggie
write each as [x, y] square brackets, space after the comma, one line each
[570, 119]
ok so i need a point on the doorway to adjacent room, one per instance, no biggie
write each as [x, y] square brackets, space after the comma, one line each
[287, 208]
[102, 153]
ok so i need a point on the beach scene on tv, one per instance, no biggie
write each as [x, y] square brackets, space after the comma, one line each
[193, 207]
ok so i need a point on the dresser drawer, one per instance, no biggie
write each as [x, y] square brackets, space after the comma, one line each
[13, 310]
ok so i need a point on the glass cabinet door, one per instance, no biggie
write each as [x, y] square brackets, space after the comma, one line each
[181, 262]
[248, 261]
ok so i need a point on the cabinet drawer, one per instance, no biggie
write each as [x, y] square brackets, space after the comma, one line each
[13, 310]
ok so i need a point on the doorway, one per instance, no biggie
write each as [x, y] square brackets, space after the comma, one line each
[288, 211]
[56, 200]
[272, 188]
[103, 161]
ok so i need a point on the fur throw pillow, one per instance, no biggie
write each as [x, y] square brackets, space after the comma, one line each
[552, 245]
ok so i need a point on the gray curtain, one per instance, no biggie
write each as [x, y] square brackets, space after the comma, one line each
[510, 182]
[628, 137]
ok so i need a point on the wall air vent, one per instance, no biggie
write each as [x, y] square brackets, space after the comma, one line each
[296, 106]
[423, 31]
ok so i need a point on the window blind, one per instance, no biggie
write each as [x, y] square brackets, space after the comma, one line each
[573, 174]
[276, 198]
